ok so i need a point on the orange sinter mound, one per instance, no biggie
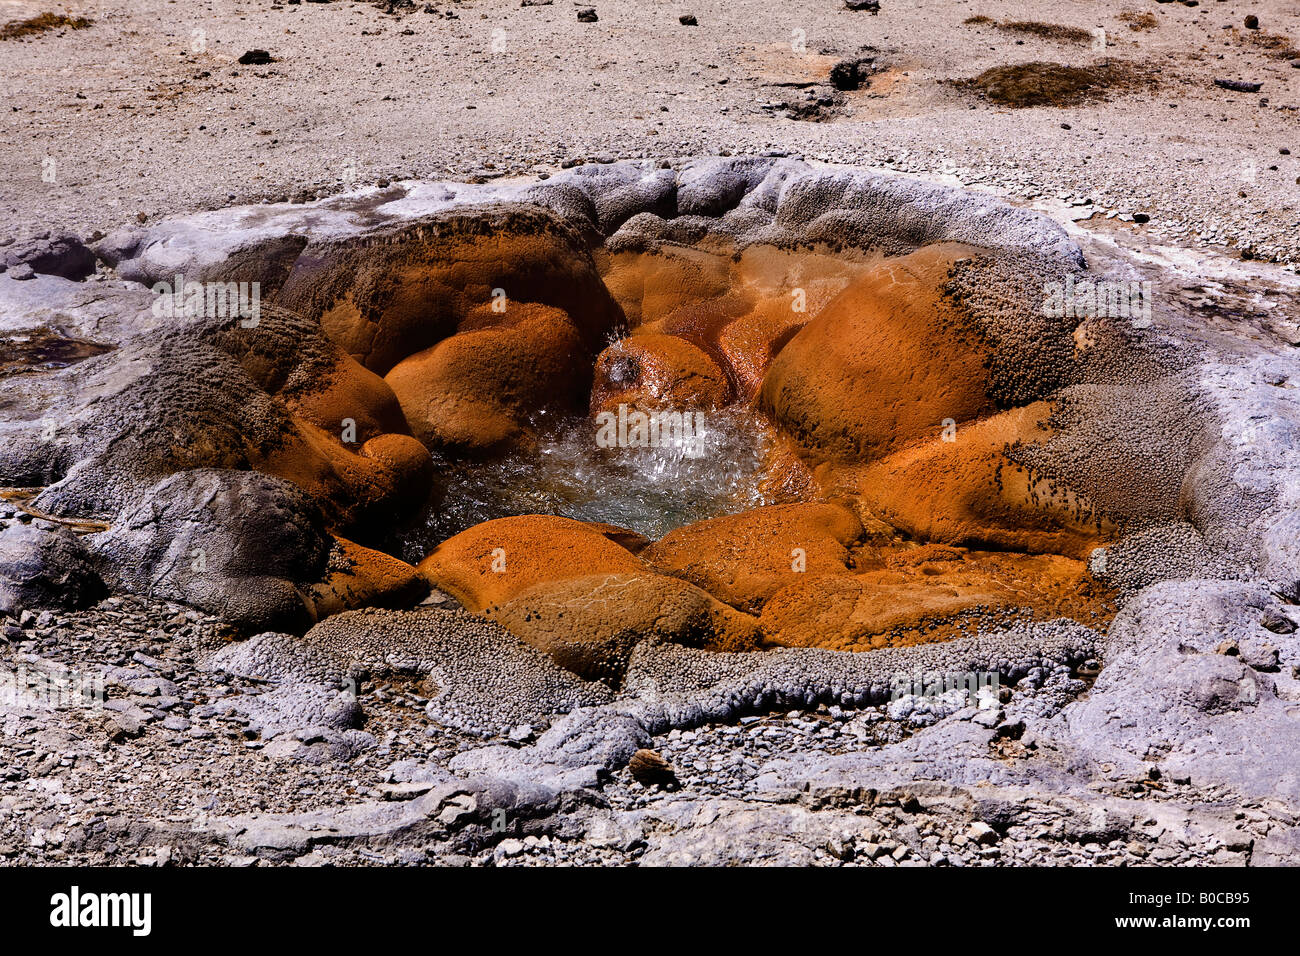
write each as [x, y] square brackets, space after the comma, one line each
[855, 483]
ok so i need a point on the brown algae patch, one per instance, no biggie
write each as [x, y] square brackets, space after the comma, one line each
[1048, 31]
[43, 350]
[43, 23]
[1055, 84]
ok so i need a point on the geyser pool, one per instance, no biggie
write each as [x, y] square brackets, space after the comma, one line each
[563, 470]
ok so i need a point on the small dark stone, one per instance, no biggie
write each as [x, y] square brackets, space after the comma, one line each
[624, 370]
[587, 15]
[42, 568]
[852, 74]
[649, 768]
[1290, 592]
[64, 256]
[1011, 731]
[870, 6]
[122, 727]
[1141, 217]
[1240, 86]
[1252, 22]
[688, 20]
[256, 58]
[1278, 623]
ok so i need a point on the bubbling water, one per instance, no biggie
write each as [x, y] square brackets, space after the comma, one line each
[566, 471]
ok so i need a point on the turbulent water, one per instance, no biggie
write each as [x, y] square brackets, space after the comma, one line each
[566, 472]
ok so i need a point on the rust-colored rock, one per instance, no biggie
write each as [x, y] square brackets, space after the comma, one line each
[925, 594]
[744, 559]
[650, 769]
[967, 492]
[343, 437]
[652, 371]
[401, 290]
[388, 475]
[887, 362]
[360, 577]
[495, 561]
[590, 625]
[476, 389]
[740, 308]
[348, 391]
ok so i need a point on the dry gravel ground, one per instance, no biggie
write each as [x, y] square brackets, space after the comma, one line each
[170, 769]
[147, 112]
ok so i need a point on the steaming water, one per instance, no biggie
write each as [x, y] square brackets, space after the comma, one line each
[649, 490]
